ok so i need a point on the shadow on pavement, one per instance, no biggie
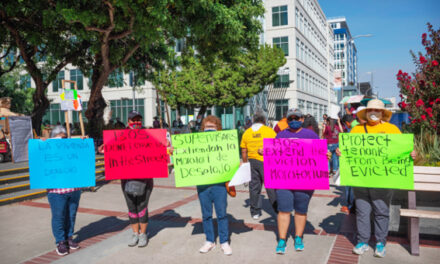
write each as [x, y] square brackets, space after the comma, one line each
[167, 219]
[339, 190]
[236, 226]
[265, 206]
[105, 225]
[332, 223]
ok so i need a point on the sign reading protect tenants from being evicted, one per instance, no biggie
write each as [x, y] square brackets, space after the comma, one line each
[376, 160]
[205, 158]
[295, 164]
[135, 154]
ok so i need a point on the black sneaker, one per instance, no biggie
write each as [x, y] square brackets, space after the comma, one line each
[72, 244]
[62, 248]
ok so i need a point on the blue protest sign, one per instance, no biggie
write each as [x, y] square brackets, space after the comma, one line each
[61, 163]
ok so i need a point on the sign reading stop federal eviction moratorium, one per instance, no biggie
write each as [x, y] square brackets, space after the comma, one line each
[205, 158]
[376, 160]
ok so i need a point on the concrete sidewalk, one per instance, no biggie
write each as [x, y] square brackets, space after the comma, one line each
[176, 232]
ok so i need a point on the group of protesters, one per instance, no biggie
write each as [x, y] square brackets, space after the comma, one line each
[372, 119]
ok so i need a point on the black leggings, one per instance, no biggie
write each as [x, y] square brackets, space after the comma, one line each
[138, 205]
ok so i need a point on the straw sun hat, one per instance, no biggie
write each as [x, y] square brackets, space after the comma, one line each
[375, 104]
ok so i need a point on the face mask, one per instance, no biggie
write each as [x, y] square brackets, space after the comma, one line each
[135, 125]
[209, 129]
[294, 124]
[374, 116]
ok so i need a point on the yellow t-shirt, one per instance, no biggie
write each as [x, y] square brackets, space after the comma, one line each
[253, 140]
[382, 128]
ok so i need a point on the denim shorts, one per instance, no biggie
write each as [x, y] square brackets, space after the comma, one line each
[298, 200]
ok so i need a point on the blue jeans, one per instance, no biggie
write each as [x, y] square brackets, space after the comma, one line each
[209, 194]
[63, 207]
[334, 162]
[349, 197]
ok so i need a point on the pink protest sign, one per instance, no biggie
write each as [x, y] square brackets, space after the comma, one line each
[135, 154]
[295, 164]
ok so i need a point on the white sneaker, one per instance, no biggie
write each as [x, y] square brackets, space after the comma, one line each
[207, 247]
[227, 250]
[256, 217]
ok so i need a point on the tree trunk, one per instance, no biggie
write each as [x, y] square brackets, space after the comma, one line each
[202, 110]
[96, 104]
[41, 103]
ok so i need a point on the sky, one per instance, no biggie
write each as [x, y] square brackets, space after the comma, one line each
[396, 26]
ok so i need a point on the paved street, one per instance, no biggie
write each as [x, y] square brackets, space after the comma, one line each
[176, 233]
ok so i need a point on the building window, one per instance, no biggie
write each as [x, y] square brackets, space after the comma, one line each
[282, 81]
[132, 77]
[77, 76]
[116, 79]
[279, 16]
[302, 81]
[281, 107]
[54, 115]
[25, 81]
[179, 45]
[309, 108]
[56, 85]
[282, 43]
[298, 79]
[75, 114]
[301, 105]
[315, 111]
[121, 108]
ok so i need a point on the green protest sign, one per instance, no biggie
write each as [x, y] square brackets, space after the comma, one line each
[376, 160]
[205, 158]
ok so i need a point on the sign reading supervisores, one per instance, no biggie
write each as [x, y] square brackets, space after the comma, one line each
[295, 164]
[377, 160]
[135, 154]
[205, 158]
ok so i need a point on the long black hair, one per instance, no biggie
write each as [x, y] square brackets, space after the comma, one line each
[310, 121]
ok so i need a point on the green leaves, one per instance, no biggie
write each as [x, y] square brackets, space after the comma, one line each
[202, 82]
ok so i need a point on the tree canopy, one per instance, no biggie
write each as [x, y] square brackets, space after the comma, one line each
[198, 83]
[100, 36]
[140, 35]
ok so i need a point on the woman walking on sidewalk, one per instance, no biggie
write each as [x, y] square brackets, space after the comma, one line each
[137, 195]
[289, 200]
[373, 199]
[214, 194]
[63, 205]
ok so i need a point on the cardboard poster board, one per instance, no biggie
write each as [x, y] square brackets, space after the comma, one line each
[296, 164]
[205, 158]
[377, 160]
[21, 131]
[61, 163]
[135, 154]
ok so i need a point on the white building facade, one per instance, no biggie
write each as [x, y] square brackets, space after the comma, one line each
[120, 95]
[345, 58]
[301, 30]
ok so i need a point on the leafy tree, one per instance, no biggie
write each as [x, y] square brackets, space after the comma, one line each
[8, 56]
[10, 86]
[420, 94]
[40, 34]
[201, 83]
[139, 35]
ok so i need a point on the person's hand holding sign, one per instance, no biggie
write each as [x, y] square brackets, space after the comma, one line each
[338, 152]
[413, 154]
